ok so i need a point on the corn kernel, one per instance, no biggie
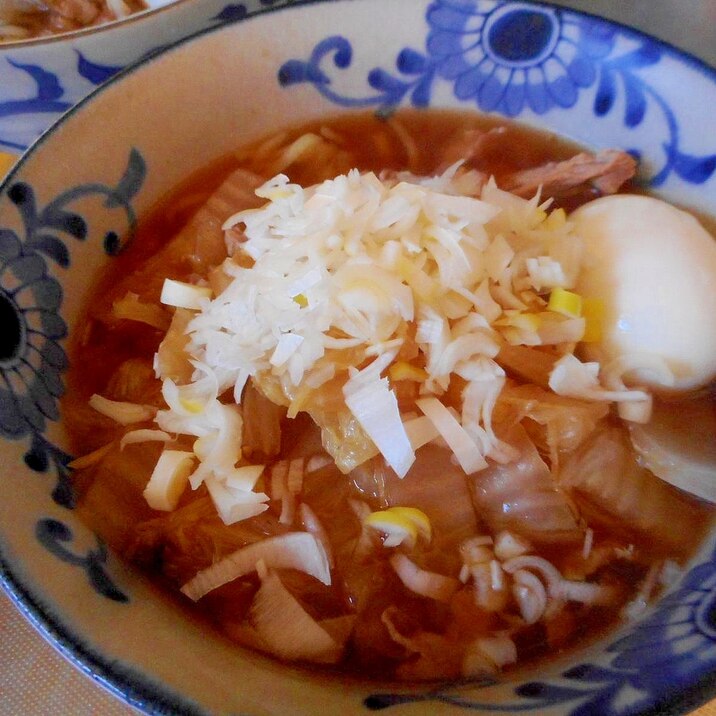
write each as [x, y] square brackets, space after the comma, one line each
[565, 302]
[191, 406]
[400, 525]
[418, 518]
[402, 370]
[556, 220]
[540, 216]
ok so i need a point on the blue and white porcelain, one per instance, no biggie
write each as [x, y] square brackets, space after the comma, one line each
[73, 201]
[41, 79]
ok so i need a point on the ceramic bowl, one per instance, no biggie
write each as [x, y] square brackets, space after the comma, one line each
[40, 79]
[73, 201]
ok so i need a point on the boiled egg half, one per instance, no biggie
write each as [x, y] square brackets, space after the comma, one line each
[651, 269]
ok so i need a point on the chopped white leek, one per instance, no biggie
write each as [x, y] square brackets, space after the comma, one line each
[244, 478]
[500, 650]
[184, 295]
[575, 379]
[508, 545]
[318, 461]
[294, 550]
[286, 629]
[420, 431]
[122, 412]
[366, 268]
[311, 523]
[287, 345]
[427, 584]
[234, 505]
[588, 543]
[463, 446]
[586, 592]
[530, 595]
[550, 574]
[143, 436]
[169, 479]
[375, 407]
[545, 272]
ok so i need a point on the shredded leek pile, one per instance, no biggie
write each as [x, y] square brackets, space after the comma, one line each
[355, 278]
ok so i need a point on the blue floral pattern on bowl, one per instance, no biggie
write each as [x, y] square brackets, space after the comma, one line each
[511, 57]
[32, 360]
[38, 85]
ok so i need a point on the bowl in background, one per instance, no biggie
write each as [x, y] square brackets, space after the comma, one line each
[43, 77]
[73, 201]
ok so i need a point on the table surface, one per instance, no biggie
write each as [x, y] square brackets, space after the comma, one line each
[34, 679]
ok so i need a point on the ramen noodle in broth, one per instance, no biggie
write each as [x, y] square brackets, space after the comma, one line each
[355, 392]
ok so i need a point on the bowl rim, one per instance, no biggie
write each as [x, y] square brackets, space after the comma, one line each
[43, 40]
[138, 690]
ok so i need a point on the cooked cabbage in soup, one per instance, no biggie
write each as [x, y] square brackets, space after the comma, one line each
[22, 19]
[424, 397]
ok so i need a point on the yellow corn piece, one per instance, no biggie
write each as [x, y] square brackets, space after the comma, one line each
[401, 525]
[556, 220]
[192, 406]
[593, 312]
[418, 518]
[540, 216]
[301, 300]
[565, 302]
[396, 528]
[402, 370]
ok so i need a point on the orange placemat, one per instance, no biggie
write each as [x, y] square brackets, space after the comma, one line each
[6, 161]
[35, 680]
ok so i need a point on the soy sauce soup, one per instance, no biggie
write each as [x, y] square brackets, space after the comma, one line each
[446, 572]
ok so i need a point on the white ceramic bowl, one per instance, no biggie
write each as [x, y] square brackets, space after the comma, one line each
[42, 78]
[114, 155]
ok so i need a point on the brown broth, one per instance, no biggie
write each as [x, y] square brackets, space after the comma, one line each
[100, 346]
